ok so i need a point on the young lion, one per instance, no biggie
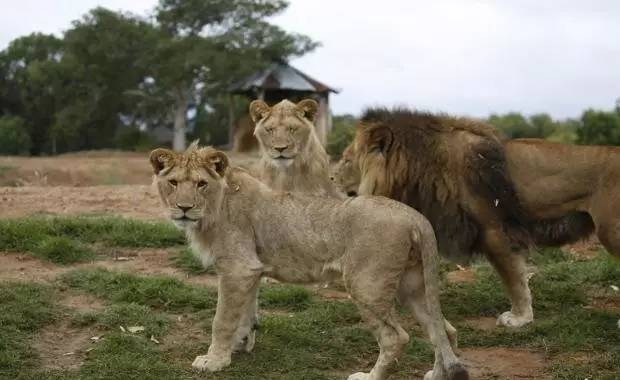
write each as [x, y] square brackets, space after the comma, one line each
[249, 230]
[292, 157]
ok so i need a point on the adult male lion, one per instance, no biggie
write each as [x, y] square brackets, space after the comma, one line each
[248, 230]
[292, 157]
[482, 195]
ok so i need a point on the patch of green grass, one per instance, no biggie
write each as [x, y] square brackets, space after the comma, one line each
[546, 256]
[24, 309]
[186, 260]
[563, 320]
[603, 366]
[157, 291]
[62, 250]
[126, 315]
[294, 298]
[24, 234]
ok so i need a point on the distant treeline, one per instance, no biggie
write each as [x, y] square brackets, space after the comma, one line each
[113, 75]
[597, 127]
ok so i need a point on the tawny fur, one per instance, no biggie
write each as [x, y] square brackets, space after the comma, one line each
[483, 194]
[302, 164]
[250, 230]
[243, 138]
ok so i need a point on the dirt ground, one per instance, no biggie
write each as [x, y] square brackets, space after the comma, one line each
[83, 183]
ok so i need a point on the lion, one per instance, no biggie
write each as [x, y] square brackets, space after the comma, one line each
[483, 194]
[292, 156]
[248, 230]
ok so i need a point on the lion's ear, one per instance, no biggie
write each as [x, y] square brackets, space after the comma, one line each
[380, 138]
[308, 109]
[218, 161]
[259, 110]
[161, 158]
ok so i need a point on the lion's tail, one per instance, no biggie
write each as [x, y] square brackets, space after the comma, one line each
[455, 370]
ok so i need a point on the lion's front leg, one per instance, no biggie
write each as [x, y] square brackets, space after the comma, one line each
[511, 267]
[234, 292]
[245, 337]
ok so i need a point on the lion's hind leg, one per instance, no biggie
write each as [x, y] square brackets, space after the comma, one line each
[375, 301]
[412, 295]
[392, 339]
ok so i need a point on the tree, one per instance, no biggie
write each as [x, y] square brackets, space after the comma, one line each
[204, 44]
[108, 55]
[599, 128]
[542, 125]
[14, 138]
[513, 124]
[32, 83]
[341, 135]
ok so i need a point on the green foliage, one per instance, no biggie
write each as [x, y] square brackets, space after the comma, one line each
[599, 128]
[14, 138]
[56, 232]
[162, 292]
[341, 135]
[62, 250]
[131, 138]
[515, 125]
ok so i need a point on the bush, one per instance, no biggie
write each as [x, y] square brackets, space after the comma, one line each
[341, 135]
[14, 138]
[131, 138]
[599, 128]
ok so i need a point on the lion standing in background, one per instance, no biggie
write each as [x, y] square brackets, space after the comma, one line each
[292, 156]
[484, 195]
[292, 159]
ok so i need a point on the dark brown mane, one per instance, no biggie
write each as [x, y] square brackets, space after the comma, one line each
[426, 157]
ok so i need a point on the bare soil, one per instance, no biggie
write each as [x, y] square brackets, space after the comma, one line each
[506, 363]
[466, 275]
[138, 201]
[24, 267]
[61, 346]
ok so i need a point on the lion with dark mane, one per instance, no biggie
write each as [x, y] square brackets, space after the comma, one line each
[486, 195]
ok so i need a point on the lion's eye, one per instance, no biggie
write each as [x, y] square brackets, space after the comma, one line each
[173, 183]
[292, 129]
[202, 184]
[269, 130]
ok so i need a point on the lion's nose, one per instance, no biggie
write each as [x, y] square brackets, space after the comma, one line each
[280, 148]
[185, 207]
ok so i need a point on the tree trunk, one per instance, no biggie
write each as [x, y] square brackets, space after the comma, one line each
[180, 121]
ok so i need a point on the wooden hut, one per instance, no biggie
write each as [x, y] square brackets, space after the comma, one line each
[277, 82]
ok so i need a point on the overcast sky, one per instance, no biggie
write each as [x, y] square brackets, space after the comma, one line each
[462, 57]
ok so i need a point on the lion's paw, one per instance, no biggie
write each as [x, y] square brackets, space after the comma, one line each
[428, 375]
[509, 319]
[205, 363]
[359, 376]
